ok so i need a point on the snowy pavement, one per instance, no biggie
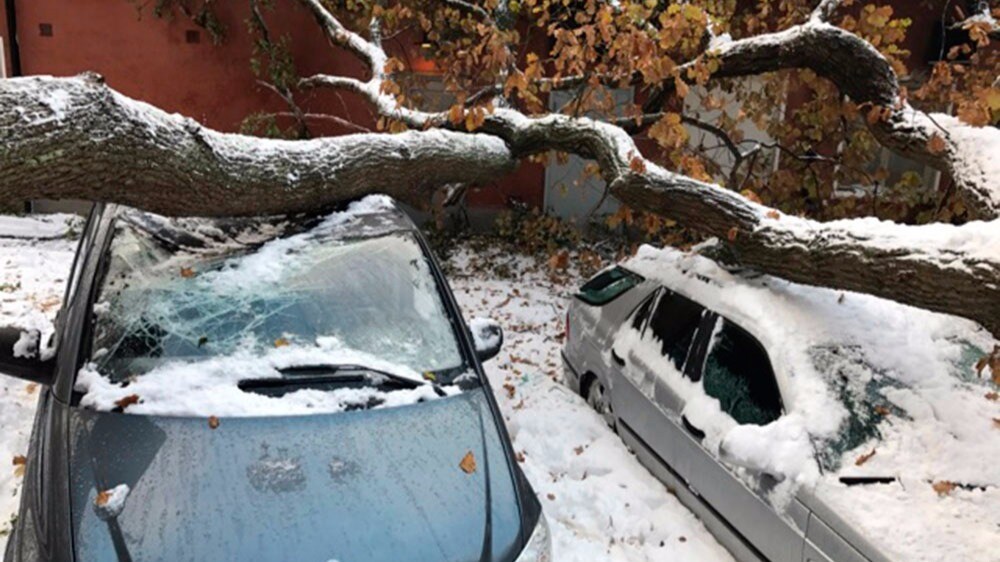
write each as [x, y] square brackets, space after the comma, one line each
[32, 278]
[601, 504]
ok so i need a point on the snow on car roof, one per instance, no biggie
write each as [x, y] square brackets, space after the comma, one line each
[867, 374]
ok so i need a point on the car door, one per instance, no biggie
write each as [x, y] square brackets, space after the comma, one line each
[734, 368]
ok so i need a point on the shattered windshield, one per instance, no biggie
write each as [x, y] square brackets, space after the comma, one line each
[374, 297]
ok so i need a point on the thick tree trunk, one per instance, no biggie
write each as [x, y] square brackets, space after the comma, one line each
[77, 138]
[944, 268]
[74, 137]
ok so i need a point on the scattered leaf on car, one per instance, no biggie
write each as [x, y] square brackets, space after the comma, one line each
[468, 463]
[102, 498]
[127, 401]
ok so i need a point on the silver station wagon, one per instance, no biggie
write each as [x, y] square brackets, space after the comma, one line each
[799, 423]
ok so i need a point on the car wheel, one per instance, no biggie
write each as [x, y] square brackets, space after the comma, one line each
[600, 400]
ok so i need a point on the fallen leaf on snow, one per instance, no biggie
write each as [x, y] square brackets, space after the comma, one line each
[187, 272]
[864, 458]
[882, 411]
[281, 342]
[127, 401]
[943, 487]
[20, 462]
[992, 396]
[213, 422]
[468, 463]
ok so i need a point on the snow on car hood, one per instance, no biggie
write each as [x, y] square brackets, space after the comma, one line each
[209, 387]
[860, 374]
[379, 485]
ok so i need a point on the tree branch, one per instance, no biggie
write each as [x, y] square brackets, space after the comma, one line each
[77, 138]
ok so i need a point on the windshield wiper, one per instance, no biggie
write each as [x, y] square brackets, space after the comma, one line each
[311, 371]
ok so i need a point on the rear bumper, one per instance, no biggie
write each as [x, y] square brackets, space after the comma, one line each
[570, 375]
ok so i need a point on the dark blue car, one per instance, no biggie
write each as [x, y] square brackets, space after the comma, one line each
[299, 388]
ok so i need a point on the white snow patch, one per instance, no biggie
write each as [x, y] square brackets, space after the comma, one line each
[210, 386]
[110, 503]
[26, 346]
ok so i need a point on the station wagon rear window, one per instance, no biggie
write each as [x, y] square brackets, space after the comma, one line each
[608, 285]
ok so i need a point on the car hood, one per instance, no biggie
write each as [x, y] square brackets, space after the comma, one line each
[386, 484]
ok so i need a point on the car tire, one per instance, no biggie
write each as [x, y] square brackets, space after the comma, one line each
[599, 399]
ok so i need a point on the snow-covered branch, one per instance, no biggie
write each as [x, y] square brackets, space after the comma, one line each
[861, 72]
[77, 138]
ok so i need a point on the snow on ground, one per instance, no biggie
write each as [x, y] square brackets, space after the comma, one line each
[601, 504]
[32, 277]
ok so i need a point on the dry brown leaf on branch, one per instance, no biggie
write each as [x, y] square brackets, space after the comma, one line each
[733, 233]
[187, 272]
[864, 458]
[468, 463]
[992, 396]
[882, 411]
[936, 144]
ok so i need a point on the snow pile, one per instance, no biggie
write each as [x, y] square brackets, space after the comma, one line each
[857, 373]
[210, 386]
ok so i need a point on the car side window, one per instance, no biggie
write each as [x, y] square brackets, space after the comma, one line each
[642, 311]
[738, 373]
[674, 324]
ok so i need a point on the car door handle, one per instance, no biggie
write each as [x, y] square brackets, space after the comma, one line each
[617, 358]
[697, 433]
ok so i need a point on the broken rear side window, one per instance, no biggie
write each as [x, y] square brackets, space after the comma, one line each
[608, 286]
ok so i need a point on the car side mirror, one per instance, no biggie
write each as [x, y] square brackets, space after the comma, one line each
[24, 355]
[487, 336]
[752, 463]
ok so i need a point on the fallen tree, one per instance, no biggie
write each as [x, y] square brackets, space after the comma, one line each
[77, 138]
